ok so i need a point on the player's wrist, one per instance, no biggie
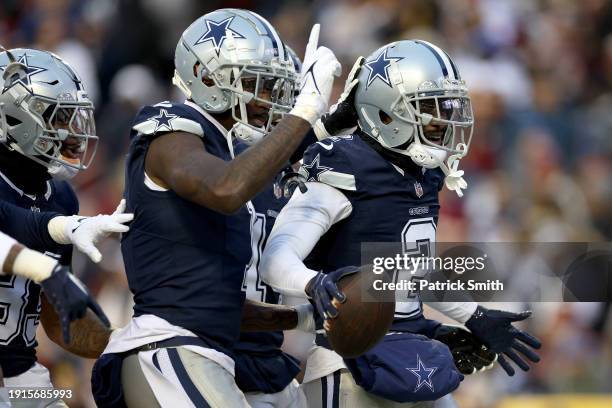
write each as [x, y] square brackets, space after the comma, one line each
[33, 265]
[305, 315]
[309, 106]
[320, 130]
[62, 227]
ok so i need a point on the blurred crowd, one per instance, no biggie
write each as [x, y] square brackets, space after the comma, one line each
[539, 167]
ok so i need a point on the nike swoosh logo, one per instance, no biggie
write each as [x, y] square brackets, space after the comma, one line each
[326, 146]
[80, 220]
[310, 71]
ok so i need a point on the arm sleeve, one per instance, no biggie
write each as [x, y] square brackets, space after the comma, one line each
[459, 311]
[27, 227]
[6, 243]
[300, 224]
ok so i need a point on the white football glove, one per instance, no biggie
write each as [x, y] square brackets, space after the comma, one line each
[85, 232]
[319, 68]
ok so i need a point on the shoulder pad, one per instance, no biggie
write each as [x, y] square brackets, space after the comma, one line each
[329, 161]
[167, 117]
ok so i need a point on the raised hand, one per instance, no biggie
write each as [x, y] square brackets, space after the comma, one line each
[319, 68]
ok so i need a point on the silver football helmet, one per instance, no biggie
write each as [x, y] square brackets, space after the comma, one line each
[230, 57]
[45, 113]
[411, 99]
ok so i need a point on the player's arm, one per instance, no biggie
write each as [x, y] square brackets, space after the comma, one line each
[258, 316]
[179, 161]
[299, 226]
[47, 229]
[88, 335]
[67, 294]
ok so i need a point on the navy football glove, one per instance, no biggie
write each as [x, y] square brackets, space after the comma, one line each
[69, 298]
[494, 328]
[343, 114]
[322, 289]
[469, 354]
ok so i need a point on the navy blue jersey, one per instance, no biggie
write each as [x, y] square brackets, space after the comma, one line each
[185, 263]
[260, 364]
[20, 298]
[25, 224]
[388, 205]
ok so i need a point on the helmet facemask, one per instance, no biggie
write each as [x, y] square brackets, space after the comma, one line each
[260, 101]
[68, 136]
[442, 121]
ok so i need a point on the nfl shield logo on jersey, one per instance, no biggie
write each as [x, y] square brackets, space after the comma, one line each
[418, 189]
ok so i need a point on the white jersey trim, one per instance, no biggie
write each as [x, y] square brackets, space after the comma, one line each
[151, 185]
[147, 329]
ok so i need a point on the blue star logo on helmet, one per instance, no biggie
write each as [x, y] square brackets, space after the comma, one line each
[379, 68]
[163, 120]
[216, 32]
[30, 71]
[314, 169]
[423, 375]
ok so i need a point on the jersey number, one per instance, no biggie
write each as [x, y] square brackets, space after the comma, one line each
[14, 292]
[418, 240]
[253, 286]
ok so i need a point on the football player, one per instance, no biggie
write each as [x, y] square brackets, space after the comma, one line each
[264, 373]
[414, 125]
[189, 245]
[47, 134]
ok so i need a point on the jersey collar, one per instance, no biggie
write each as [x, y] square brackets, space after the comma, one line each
[21, 192]
[215, 122]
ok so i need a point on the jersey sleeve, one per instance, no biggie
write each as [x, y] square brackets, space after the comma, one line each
[166, 117]
[27, 227]
[327, 162]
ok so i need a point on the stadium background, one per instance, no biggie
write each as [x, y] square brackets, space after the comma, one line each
[540, 77]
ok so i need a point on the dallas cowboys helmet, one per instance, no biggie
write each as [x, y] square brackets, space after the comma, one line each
[411, 99]
[230, 57]
[45, 113]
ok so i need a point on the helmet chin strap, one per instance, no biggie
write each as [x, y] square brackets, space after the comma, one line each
[247, 134]
[61, 172]
[430, 158]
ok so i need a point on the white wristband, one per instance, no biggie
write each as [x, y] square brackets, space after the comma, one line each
[309, 107]
[320, 131]
[33, 265]
[306, 321]
[57, 229]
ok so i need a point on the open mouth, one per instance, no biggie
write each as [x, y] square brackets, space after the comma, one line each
[72, 149]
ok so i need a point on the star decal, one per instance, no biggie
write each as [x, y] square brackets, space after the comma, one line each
[421, 371]
[163, 120]
[379, 68]
[216, 32]
[31, 70]
[314, 169]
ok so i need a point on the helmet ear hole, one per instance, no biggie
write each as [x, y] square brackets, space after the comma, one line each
[384, 117]
[12, 121]
[205, 79]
